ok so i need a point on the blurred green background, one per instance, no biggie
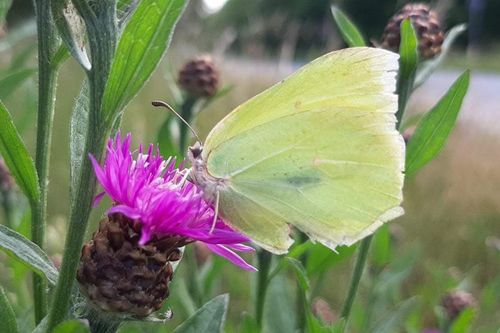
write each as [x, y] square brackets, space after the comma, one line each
[450, 234]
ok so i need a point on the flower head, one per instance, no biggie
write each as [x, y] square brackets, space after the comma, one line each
[154, 192]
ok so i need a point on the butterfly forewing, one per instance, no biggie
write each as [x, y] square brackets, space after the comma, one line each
[318, 151]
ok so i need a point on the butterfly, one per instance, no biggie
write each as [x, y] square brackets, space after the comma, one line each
[318, 151]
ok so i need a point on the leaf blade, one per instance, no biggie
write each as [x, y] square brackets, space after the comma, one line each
[210, 318]
[435, 127]
[408, 61]
[17, 158]
[18, 246]
[350, 33]
[7, 315]
[139, 51]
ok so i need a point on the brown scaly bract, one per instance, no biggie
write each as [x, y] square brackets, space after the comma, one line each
[119, 275]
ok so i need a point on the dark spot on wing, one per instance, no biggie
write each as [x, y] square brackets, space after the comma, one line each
[303, 180]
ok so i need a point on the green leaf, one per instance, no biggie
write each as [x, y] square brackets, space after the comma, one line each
[13, 80]
[140, 49]
[349, 31]
[71, 29]
[210, 318]
[17, 158]
[381, 246]
[279, 313]
[435, 127]
[77, 134]
[429, 66]
[408, 61]
[4, 8]
[394, 320]
[71, 326]
[18, 246]
[7, 316]
[321, 258]
[463, 323]
[248, 324]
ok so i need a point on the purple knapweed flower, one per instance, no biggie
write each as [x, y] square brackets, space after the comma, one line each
[154, 192]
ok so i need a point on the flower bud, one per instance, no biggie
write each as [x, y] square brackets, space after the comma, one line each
[457, 301]
[427, 27]
[322, 310]
[6, 181]
[199, 77]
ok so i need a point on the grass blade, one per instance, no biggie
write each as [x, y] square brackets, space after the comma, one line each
[7, 315]
[210, 318]
[17, 158]
[435, 127]
[18, 246]
[351, 34]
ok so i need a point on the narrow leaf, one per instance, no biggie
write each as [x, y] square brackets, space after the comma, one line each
[72, 30]
[349, 31]
[140, 49]
[408, 61]
[321, 258]
[428, 67]
[210, 318]
[13, 80]
[16, 156]
[463, 323]
[435, 127]
[78, 132]
[7, 316]
[18, 246]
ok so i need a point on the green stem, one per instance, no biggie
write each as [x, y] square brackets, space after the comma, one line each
[47, 77]
[186, 114]
[100, 21]
[356, 278]
[301, 312]
[264, 260]
[100, 323]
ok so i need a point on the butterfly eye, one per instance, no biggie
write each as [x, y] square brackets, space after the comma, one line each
[196, 150]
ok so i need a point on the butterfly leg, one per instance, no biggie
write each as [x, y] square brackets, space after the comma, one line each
[216, 211]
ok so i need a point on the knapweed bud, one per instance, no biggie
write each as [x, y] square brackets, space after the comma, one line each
[426, 24]
[199, 77]
[322, 310]
[127, 266]
[119, 275]
[457, 301]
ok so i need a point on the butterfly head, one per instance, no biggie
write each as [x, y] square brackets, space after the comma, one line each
[194, 152]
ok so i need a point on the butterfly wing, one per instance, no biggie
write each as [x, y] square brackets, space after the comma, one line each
[319, 151]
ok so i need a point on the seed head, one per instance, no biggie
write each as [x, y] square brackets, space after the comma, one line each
[199, 77]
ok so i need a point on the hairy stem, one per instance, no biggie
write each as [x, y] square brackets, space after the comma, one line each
[47, 77]
[102, 31]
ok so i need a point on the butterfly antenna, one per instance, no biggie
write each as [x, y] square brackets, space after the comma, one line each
[216, 212]
[168, 107]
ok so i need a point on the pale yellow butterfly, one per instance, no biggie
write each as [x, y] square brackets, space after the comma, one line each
[318, 151]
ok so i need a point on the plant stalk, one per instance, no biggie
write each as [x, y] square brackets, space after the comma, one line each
[186, 114]
[47, 78]
[102, 34]
[264, 260]
[356, 278]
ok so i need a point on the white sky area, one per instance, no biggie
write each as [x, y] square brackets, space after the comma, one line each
[213, 6]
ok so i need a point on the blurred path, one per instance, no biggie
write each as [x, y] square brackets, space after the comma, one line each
[482, 103]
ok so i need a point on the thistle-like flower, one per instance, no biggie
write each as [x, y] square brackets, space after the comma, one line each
[127, 265]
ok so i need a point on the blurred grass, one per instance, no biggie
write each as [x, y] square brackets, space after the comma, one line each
[452, 206]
